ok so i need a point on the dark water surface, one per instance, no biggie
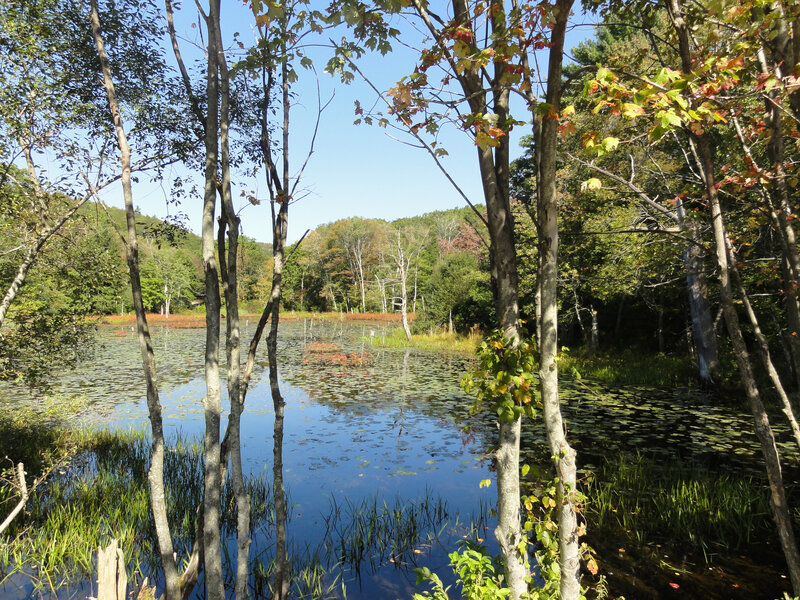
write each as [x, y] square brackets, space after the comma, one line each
[397, 428]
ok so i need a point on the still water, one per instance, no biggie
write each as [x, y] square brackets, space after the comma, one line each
[394, 430]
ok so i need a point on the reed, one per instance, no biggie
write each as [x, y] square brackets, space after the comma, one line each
[102, 493]
[630, 367]
[678, 504]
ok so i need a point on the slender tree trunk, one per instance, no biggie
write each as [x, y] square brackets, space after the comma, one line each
[763, 430]
[703, 335]
[382, 291]
[414, 302]
[281, 585]
[166, 300]
[402, 268]
[763, 350]
[594, 341]
[563, 454]
[229, 271]
[333, 298]
[361, 284]
[156, 472]
[792, 308]
[212, 403]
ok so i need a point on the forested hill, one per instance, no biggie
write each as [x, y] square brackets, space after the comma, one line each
[169, 232]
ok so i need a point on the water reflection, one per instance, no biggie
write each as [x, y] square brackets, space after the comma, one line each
[397, 427]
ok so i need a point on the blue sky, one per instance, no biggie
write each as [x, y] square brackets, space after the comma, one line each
[355, 170]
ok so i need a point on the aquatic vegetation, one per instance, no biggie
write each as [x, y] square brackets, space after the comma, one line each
[399, 425]
[327, 353]
[55, 542]
[679, 503]
[629, 367]
[371, 532]
[437, 341]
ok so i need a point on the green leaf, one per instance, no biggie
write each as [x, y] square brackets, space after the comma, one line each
[591, 184]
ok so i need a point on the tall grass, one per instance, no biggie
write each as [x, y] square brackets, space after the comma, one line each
[435, 342]
[678, 504]
[102, 493]
[630, 367]
[373, 531]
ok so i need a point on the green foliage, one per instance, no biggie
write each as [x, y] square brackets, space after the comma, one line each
[540, 520]
[629, 367]
[678, 503]
[458, 286]
[478, 575]
[505, 379]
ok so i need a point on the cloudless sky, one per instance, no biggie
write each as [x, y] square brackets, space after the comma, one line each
[355, 170]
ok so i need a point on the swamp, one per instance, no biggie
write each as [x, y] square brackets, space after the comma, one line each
[383, 460]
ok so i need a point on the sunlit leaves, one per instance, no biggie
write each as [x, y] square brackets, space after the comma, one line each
[591, 184]
[505, 379]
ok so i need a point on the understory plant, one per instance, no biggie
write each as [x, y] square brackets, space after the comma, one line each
[505, 382]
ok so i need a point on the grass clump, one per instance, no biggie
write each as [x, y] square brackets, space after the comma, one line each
[432, 342]
[678, 504]
[629, 367]
[103, 493]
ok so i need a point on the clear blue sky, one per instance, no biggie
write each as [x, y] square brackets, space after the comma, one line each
[355, 170]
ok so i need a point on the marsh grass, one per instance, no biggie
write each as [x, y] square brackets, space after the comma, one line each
[678, 504]
[629, 367]
[373, 532]
[436, 342]
[102, 493]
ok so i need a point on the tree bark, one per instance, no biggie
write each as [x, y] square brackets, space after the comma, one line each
[156, 472]
[705, 340]
[494, 170]
[563, 454]
[229, 269]
[212, 403]
[403, 261]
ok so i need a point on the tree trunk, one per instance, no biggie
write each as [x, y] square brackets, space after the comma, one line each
[156, 472]
[212, 403]
[594, 340]
[793, 319]
[563, 455]
[705, 340]
[402, 267]
[229, 270]
[763, 430]
[703, 335]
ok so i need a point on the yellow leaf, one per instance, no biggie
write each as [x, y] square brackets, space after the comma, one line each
[591, 565]
[485, 483]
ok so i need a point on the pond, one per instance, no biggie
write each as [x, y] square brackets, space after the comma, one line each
[396, 430]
